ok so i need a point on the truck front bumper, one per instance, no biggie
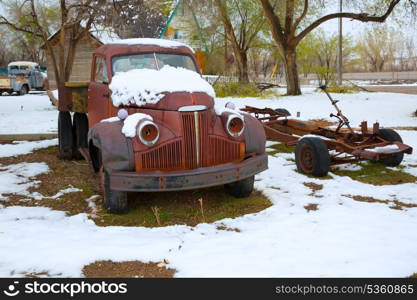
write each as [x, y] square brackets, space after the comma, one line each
[189, 179]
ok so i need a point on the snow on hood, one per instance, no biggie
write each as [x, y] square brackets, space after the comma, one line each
[131, 122]
[145, 86]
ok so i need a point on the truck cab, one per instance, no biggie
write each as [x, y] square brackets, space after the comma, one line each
[147, 122]
[22, 77]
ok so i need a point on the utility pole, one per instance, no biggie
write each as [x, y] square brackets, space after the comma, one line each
[340, 56]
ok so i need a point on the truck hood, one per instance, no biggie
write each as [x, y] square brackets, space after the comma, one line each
[168, 88]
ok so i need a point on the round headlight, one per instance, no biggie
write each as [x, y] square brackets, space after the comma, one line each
[235, 125]
[148, 133]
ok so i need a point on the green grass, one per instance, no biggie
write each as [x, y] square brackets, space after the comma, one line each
[236, 89]
[280, 148]
[342, 89]
[377, 174]
[183, 208]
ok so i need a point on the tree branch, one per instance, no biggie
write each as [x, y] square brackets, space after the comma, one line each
[301, 17]
[274, 21]
[363, 17]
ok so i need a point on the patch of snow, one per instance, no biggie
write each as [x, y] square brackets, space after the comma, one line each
[31, 113]
[131, 122]
[349, 167]
[55, 94]
[146, 86]
[149, 41]
[385, 149]
[106, 35]
[17, 179]
[221, 109]
[22, 147]
[92, 205]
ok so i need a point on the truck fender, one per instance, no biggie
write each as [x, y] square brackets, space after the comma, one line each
[116, 150]
[254, 133]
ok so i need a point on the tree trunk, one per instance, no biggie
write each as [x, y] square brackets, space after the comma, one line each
[291, 72]
[243, 67]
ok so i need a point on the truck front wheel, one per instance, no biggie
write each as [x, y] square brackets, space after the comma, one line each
[114, 201]
[24, 90]
[240, 189]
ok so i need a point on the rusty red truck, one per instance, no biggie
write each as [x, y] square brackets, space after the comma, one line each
[147, 122]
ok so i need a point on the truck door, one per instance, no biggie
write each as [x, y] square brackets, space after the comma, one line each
[99, 92]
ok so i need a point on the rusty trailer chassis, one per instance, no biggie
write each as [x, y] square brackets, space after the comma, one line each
[349, 145]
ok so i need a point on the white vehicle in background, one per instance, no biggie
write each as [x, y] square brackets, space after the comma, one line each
[22, 77]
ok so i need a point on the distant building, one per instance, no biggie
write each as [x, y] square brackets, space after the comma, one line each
[183, 26]
[82, 60]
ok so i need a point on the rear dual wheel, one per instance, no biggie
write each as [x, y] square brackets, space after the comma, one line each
[72, 134]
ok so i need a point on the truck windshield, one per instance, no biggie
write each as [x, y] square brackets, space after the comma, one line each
[154, 61]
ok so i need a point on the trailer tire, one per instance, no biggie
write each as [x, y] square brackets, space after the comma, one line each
[312, 156]
[114, 201]
[24, 90]
[80, 133]
[283, 111]
[391, 136]
[240, 189]
[65, 135]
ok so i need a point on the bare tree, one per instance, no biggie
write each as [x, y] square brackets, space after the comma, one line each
[136, 18]
[286, 18]
[242, 20]
[379, 46]
[75, 20]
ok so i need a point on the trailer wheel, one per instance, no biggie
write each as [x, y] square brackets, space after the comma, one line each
[283, 111]
[23, 90]
[80, 133]
[114, 201]
[312, 156]
[65, 136]
[240, 189]
[392, 136]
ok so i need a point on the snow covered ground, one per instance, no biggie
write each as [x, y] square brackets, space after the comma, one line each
[32, 113]
[343, 237]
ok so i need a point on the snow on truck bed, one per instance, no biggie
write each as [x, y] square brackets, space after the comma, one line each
[149, 41]
[145, 86]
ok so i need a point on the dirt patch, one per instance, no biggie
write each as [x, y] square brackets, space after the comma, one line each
[225, 228]
[145, 209]
[395, 204]
[127, 269]
[314, 188]
[311, 207]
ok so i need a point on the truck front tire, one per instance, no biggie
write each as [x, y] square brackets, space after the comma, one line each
[114, 201]
[23, 90]
[240, 189]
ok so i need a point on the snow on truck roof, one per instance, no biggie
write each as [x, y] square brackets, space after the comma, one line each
[149, 41]
[23, 63]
